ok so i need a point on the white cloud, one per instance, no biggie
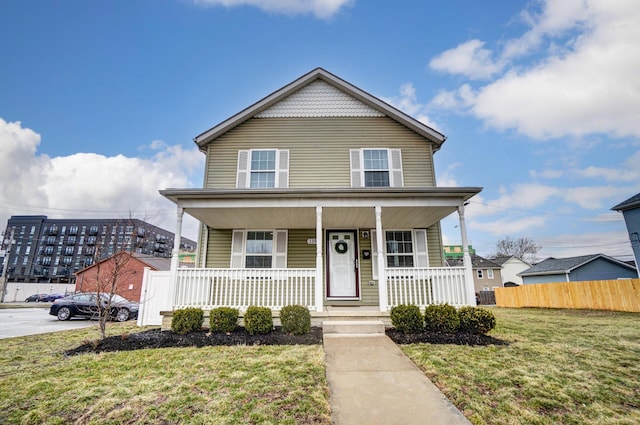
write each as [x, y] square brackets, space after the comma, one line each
[408, 103]
[468, 59]
[320, 8]
[508, 226]
[613, 243]
[586, 82]
[628, 172]
[92, 185]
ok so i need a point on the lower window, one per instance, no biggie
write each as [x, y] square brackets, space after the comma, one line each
[259, 250]
[399, 249]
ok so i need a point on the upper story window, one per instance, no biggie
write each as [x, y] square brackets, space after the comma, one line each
[376, 168]
[480, 274]
[263, 168]
[489, 273]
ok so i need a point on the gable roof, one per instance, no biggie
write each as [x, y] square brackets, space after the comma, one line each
[504, 258]
[477, 262]
[320, 74]
[155, 263]
[633, 202]
[567, 265]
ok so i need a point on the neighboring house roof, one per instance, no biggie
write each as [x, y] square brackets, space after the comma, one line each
[155, 263]
[566, 265]
[320, 74]
[477, 262]
[631, 203]
[503, 259]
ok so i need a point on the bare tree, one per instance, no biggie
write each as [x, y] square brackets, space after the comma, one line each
[523, 248]
[109, 274]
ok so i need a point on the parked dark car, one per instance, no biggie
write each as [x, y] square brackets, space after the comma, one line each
[52, 297]
[86, 305]
[35, 298]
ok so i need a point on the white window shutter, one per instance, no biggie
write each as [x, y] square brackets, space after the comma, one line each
[421, 247]
[356, 168]
[237, 249]
[280, 244]
[374, 254]
[282, 168]
[242, 178]
[395, 171]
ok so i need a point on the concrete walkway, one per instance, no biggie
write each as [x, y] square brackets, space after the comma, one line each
[372, 382]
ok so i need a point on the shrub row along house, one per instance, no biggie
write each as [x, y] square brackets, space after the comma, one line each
[320, 195]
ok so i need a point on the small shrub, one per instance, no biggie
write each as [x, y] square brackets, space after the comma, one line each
[476, 320]
[187, 320]
[258, 320]
[441, 318]
[295, 319]
[407, 318]
[223, 319]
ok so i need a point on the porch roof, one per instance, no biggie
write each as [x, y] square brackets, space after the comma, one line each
[342, 207]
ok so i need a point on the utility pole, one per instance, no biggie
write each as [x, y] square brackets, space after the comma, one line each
[5, 266]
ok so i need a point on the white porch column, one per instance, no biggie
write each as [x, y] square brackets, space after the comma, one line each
[175, 257]
[466, 259]
[382, 276]
[319, 269]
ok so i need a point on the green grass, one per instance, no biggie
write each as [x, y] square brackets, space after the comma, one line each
[562, 367]
[209, 385]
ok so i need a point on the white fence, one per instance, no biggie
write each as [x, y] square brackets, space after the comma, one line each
[426, 286]
[155, 297]
[241, 288]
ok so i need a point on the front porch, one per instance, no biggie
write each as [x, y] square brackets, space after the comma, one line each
[328, 250]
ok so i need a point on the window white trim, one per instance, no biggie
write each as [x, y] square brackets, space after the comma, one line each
[394, 158]
[239, 245]
[420, 248]
[489, 273]
[480, 274]
[281, 169]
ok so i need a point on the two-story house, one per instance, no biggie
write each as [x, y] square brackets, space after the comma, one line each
[321, 194]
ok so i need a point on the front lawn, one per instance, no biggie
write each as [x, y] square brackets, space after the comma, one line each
[208, 385]
[561, 367]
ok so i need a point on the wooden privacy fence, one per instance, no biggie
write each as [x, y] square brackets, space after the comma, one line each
[618, 295]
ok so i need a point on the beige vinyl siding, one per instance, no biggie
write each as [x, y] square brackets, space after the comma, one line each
[434, 242]
[300, 254]
[219, 248]
[368, 293]
[319, 149]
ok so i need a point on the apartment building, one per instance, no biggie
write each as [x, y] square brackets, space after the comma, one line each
[51, 250]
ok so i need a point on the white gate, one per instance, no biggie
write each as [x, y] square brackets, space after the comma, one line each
[155, 297]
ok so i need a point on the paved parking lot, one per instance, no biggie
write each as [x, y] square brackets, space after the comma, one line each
[31, 321]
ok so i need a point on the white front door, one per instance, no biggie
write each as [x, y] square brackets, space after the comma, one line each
[342, 266]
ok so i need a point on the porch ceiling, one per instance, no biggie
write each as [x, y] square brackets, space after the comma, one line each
[341, 208]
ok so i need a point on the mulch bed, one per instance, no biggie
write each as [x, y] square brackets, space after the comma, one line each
[156, 338]
[460, 338]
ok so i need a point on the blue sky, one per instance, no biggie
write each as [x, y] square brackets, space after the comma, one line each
[540, 101]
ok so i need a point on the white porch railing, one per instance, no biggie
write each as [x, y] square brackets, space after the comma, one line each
[276, 288]
[241, 288]
[426, 286]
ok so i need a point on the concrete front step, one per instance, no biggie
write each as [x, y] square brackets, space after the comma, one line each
[353, 327]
